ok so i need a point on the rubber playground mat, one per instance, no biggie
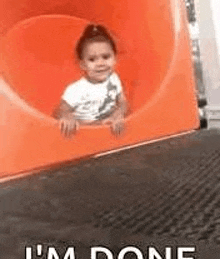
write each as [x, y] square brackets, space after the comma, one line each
[161, 194]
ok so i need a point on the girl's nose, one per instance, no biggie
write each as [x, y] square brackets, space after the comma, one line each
[100, 62]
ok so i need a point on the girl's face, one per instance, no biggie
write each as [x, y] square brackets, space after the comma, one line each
[98, 61]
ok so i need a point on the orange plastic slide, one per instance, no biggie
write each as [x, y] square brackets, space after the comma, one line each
[37, 62]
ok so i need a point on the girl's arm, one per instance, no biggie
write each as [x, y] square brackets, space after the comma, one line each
[121, 106]
[63, 110]
[116, 120]
[67, 121]
[118, 123]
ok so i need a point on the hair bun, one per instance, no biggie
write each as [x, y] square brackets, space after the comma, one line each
[95, 30]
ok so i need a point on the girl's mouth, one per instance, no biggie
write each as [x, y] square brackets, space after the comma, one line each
[102, 71]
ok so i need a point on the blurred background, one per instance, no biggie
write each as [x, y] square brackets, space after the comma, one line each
[204, 27]
[195, 43]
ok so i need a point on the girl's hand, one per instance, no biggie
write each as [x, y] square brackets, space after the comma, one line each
[68, 126]
[67, 123]
[118, 126]
[117, 123]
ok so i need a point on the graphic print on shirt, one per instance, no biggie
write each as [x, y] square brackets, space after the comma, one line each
[109, 102]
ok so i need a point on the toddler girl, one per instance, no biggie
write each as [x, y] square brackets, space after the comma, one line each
[96, 98]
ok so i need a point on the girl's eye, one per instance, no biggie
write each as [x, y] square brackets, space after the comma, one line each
[106, 56]
[91, 59]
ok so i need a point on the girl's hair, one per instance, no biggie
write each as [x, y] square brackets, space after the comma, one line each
[94, 33]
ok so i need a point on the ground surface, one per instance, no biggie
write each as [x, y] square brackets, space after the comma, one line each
[161, 194]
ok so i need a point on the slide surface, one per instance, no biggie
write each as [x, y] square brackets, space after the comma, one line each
[37, 62]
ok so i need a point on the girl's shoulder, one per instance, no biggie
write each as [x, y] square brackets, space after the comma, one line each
[78, 84]
[115, 75]
[74, 91]
[115, 79]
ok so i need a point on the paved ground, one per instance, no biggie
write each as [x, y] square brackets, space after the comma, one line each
[166, 193]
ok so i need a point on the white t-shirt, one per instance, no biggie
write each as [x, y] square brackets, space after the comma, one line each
[93, 101]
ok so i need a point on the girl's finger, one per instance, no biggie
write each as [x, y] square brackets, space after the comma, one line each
[62, 127]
